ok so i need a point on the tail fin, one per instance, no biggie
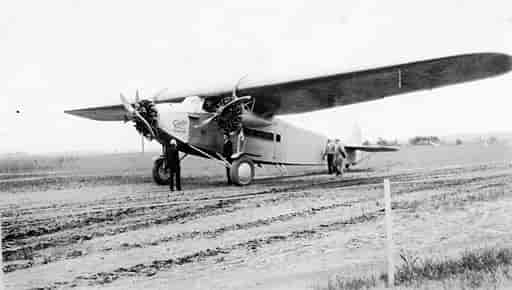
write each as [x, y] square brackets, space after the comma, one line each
[356, 139]
[357, 136]
[355, 147]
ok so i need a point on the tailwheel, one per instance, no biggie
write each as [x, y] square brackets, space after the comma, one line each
[160, 174]
[242, 171]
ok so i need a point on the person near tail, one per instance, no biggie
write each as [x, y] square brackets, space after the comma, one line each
[330, 153]
[340, 156]
[173, 165]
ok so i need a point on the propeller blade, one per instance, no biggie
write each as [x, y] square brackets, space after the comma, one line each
[159, 94]
[221, 110]
[206, 121]
[127, 106]
[236, 86]
[137, 99]
[234, 102]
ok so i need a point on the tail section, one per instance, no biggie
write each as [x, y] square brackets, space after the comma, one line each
[357, 136]
[356, 139]
[355, 146]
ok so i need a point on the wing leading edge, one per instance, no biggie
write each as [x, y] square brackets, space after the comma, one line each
[306, 95]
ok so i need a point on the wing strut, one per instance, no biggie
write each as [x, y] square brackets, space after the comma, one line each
[223, 161]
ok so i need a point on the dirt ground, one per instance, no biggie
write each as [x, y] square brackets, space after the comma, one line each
[116, 229]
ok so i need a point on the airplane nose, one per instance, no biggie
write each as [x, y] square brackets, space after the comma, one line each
[144, 116]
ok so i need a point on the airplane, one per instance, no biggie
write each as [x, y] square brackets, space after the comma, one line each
[203, 122]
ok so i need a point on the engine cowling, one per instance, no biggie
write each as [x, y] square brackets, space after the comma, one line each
[148, 111]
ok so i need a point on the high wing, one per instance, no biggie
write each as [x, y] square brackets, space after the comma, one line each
[306, 95]
[372, 148]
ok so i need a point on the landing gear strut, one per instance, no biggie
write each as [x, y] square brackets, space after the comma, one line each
[160, 174]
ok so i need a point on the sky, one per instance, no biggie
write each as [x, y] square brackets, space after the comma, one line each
[59, 55]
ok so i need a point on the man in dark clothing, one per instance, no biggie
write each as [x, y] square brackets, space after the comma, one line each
[173, 165]
[228, 151]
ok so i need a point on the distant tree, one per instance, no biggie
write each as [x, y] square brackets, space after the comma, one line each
[384, 142]
[366, 143]
[458, 142]
[424, 140]
[492, 140]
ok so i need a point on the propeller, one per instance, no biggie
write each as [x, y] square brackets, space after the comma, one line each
[222, 109]
[235, 101]
[134, 113]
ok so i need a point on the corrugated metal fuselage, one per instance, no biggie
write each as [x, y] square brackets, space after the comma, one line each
[277, 143]
[283, 143]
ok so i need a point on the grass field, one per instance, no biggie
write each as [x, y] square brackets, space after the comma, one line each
[409, 157]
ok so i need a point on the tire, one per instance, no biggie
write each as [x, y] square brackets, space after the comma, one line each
[160, 175]
[242, 171]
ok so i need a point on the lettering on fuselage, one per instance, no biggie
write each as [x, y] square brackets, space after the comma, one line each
[180, 126]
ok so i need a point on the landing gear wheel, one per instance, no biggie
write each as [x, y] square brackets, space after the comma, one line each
[160, 174]
[242, 171]
[347, 166]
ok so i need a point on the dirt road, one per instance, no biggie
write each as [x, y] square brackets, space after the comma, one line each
[292, 232]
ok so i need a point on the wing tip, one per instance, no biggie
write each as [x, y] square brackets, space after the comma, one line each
[496, 63]
[99, 114]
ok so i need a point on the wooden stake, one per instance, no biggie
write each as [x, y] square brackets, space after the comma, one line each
[2, 286]
[389, 231]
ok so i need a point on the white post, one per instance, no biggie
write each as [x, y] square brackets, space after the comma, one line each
[2, 287]
[389, 230]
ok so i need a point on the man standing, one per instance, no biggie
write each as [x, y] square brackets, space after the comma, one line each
[330, 153]
[173, 165]
[228, 151]
[340, 155]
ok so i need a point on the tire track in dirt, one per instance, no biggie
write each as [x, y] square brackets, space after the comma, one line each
[284, 217]
[188, 235]
[21, 252]
[16, 233]
[152, 268]
[28, 251]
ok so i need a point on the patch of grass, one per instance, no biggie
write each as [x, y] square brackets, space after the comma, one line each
[36, 163]
[487, 260]
[474, 269]
[352, 284]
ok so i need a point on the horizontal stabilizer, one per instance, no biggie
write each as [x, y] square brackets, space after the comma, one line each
[372, 148]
